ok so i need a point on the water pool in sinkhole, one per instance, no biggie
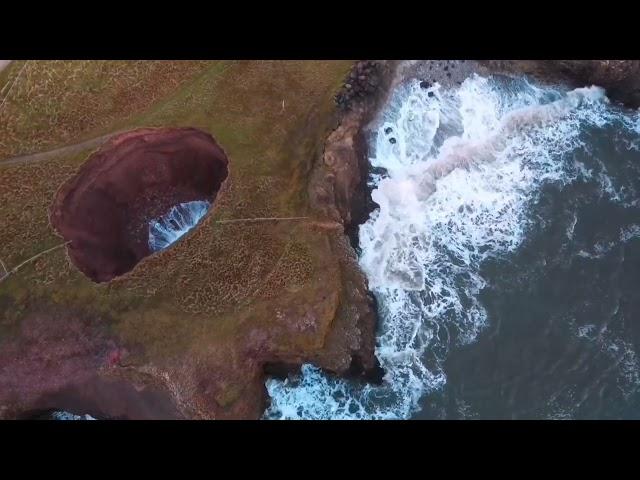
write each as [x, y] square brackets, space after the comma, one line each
[181, 218]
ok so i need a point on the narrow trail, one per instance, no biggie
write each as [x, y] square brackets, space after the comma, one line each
[68, 149]
[64, 150]
[322, 225]
[14, 270]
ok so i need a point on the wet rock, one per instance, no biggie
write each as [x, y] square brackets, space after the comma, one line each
[620, 78]
[379, 171]
[341, 192]
[362, 81]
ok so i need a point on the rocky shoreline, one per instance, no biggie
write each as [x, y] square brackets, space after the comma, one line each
[339, 185]
[338, 191]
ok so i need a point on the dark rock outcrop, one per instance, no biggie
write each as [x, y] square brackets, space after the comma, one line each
[339, 190]
[365, 78]
[343, 194]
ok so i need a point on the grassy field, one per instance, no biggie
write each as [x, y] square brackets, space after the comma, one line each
[223, 281]
[49, 103]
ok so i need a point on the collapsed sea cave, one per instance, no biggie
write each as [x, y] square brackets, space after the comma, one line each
[135, 196]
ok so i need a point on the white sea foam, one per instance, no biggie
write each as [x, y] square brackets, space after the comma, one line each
[179, 220]
[626, 366]
[585, 331]
[571, 228]
[562, 405]
[629, 233]
[462, 168]
[61, 415]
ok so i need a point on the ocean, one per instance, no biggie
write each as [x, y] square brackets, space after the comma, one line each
[504, 255]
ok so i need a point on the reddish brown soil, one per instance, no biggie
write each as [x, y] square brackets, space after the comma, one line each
[67, 360]
[137, 176]
[112, 399]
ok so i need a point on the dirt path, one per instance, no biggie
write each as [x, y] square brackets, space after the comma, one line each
[66, 150]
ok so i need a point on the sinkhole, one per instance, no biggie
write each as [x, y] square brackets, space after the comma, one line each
[137, 195]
